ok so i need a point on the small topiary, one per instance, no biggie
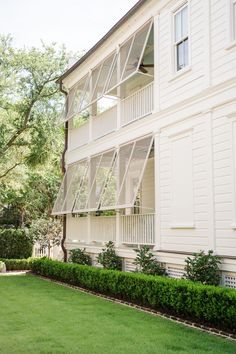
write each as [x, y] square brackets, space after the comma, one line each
[203, 268]
[108, 257]
[146, 262]
[80, 256]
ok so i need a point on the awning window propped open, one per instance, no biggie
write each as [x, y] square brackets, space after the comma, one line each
[110, 180]
[105, 77]
[69, 187]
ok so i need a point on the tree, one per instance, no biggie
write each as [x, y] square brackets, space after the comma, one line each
[47, 232]
[29, 104]
[32, 199]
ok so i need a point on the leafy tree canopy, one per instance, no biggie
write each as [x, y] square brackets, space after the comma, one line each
[29, 104]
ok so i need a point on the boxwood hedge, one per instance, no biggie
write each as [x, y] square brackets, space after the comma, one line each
[17, 264]
[15, 243]
[203, 303]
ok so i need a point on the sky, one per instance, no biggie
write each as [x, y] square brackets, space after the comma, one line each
[78, 24]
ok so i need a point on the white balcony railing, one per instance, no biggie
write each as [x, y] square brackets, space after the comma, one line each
[137, 229]
[78, 136]
[137, 105]
[77, 229]
[104, 123]
[103, 228]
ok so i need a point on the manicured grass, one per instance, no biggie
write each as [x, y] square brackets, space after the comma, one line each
[41, 317]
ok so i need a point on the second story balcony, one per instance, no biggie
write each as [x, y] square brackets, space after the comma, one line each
[116, 92]
[125, 111]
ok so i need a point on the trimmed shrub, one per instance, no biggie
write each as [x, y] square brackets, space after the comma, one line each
[204, 303]
[147, 263]
[108, 257]
[17, 264]
[80, 256]
[15, 243]
[203, 268]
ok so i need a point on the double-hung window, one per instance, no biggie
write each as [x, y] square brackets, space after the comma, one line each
[181, 38]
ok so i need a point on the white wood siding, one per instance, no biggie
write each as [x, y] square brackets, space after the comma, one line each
[175, 88]
[147, 189]
[224, 136]
[182, 180]
[200, 100]
[223, 57]
[184, 237]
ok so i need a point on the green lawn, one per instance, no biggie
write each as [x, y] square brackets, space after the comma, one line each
[41, 317]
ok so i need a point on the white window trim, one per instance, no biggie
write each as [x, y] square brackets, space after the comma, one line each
[231, 26]
[173, 59]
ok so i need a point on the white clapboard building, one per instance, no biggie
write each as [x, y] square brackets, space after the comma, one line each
[150, 120]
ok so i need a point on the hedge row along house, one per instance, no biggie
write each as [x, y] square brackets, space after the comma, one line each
[150, 120]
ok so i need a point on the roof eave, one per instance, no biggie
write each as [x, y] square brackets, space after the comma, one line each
[135, 8]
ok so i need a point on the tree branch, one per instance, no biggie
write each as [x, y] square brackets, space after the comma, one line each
[10, 169]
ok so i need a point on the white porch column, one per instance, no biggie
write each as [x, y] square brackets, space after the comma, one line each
[89, 227]
[156, 88]
[119, 110]
[118, 240]
[157, 191]
[210, 177]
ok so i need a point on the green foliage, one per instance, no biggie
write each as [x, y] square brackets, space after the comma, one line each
[146, 262]
[31, 140]
[33, 311]
[29, 101]
[46, 232]
[207, 304]
[80, 256]
[15, 243]
[33, 199]
[203, 268]
[18, 264]
[108, 257]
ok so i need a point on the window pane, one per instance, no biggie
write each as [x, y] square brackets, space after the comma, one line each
[94, 79]
[77, 178]
[100, 178]
[136, 52]
[106, 67]
[86, 96]
[82, 193]
[184, 21]
[58, 206]
[182, 54]
[109, 193]
[178, 32]
[132, 178]
[113, 79]
[147, 63]
[71, 105]
[181, 24]
[234, 21]
[124, 52]
[77, 96]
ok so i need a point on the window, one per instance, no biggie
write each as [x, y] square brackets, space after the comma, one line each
[234, 20]
[181, 38]
[135, 57]
[106, 181]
